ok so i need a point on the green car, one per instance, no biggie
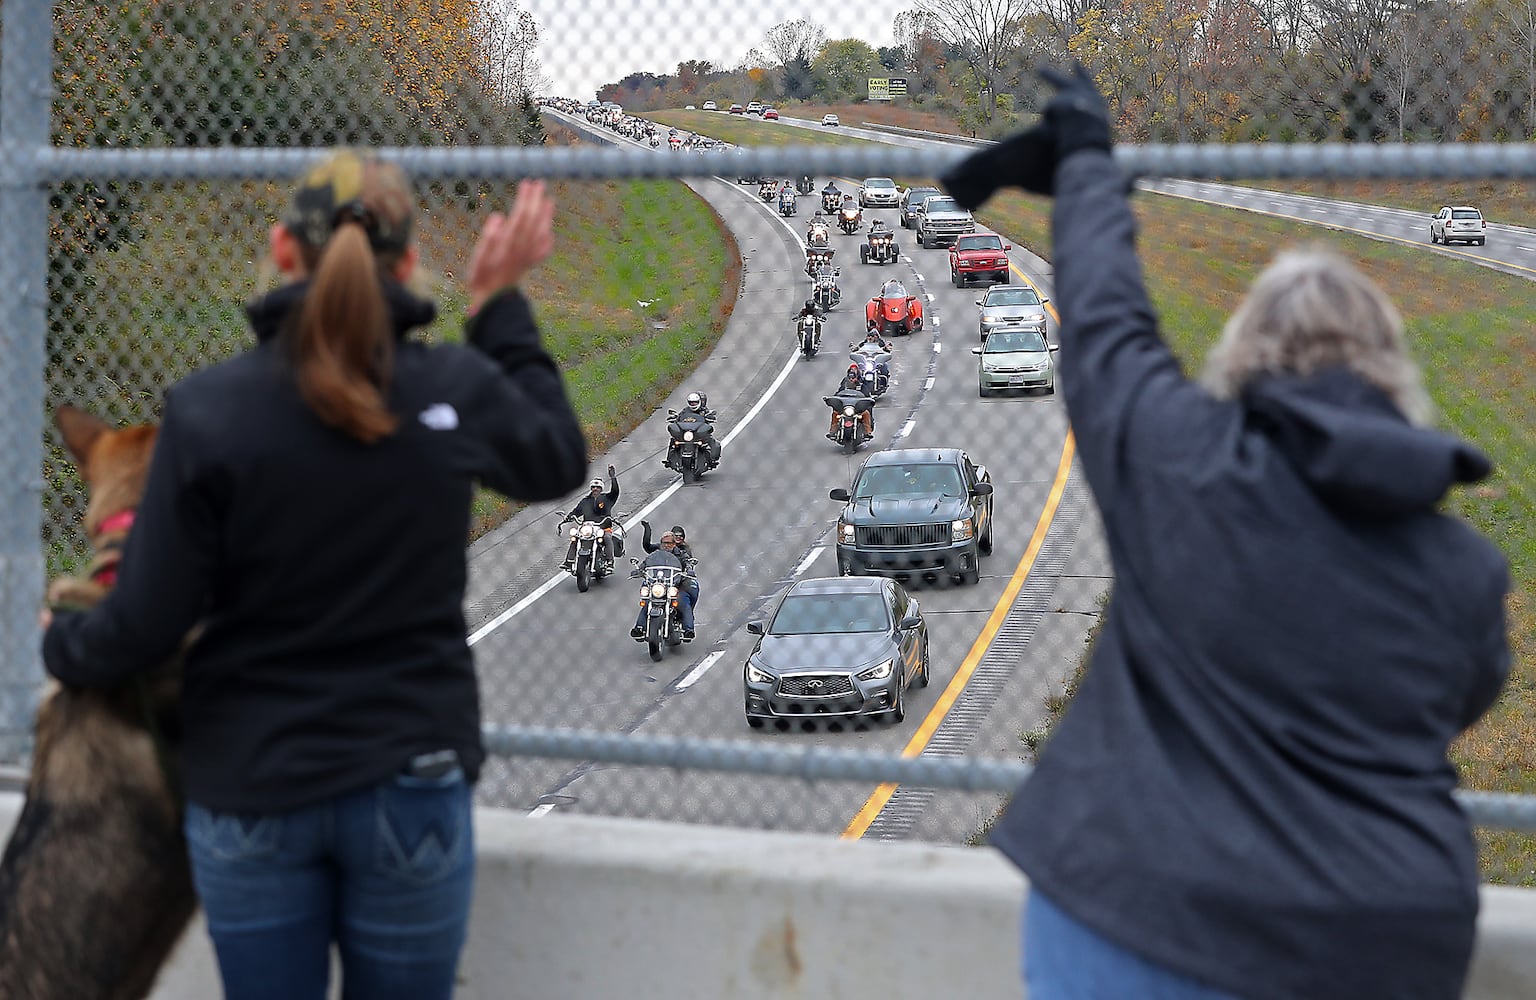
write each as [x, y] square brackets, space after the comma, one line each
[1015, 358]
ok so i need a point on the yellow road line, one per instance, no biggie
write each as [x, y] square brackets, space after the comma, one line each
[1489, 261]
[947, 699]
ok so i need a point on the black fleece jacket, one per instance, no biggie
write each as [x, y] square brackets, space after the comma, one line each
[1251, 784]
[328, 575]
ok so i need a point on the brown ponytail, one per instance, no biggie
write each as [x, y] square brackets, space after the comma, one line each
[343, 345]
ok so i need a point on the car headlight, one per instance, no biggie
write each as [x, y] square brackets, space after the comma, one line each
[878, 672]
[687, 435]
[658, 590]
[846, 530]
[756, 675]
[959, 530]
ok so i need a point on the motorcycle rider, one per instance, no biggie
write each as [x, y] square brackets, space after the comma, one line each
[666, 555]
[872, 337]
[851, 388]
[596, 506]
[810, 309]
[698, 403]
[683, 551]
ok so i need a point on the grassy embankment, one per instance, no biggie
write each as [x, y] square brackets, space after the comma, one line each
[1470, 328]
[620, 303]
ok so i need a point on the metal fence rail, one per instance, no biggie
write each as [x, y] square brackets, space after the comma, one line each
[134, 190]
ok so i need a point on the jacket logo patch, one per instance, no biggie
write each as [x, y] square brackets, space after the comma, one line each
[440, 417]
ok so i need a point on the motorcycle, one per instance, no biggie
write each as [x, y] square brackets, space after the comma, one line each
[850, 424]
[808, 334]
[815, 257]
[850, 218]
[874, 368]
[658, 592]
[688, 454]
[826, 294]
[655, 142]
[816, 234]
[880, 249]
[765, 191]
[787, 204]
[592, 560]
[831, 201]
[805, 185]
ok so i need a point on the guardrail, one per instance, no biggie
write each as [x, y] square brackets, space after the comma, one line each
[919, 133]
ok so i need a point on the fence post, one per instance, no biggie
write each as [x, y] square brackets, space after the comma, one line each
[26, 58]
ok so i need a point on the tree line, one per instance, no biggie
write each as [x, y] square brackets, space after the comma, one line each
[1174, 70]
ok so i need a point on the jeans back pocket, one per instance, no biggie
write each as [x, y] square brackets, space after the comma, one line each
[233, 836]
[423, 829]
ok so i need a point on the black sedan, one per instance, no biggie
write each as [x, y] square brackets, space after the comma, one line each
[836, 648]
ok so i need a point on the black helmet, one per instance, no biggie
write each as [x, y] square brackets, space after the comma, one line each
[677, 529]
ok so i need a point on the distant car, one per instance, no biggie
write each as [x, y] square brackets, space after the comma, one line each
[834, 648]
[688, 107]
[911, 201]
[737, 109]
[831, 119]
[1015, 358]
[770, 114]
[1010, 305]
[1458, 222]
[878, 192]
[754, 107]
[711, 106]
[915, 511]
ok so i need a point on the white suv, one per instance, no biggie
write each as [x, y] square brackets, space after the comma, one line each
[711, 106]
[754, 107]
[831, 119]
[1458, 222]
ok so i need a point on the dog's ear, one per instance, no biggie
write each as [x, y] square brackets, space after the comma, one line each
[81, 430]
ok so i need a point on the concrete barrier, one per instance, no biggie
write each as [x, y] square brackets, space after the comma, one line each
[573, 907]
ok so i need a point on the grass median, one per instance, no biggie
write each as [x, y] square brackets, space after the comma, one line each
[1470, 330]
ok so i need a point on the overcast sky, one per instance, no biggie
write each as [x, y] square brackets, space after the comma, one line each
[587, 43]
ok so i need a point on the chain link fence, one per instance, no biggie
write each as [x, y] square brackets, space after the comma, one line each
[146, 147]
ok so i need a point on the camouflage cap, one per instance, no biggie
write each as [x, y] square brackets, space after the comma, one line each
[353, 184]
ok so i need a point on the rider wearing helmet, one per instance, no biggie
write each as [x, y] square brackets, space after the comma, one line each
[683, 551]
[851, 388]
[872, 336]
[698, 403]
[597, 506]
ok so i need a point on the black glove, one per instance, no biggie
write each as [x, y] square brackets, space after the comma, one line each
[612, 472]
[1075, 118]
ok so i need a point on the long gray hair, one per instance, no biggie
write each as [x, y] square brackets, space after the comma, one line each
[1312, 309]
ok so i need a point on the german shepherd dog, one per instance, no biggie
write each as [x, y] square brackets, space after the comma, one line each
[95, 885]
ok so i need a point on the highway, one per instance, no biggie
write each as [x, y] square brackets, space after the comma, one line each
[551, 656]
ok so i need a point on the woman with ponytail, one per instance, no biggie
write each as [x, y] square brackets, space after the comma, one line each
[306, 508]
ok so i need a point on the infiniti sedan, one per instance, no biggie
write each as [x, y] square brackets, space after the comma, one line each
[836, 648]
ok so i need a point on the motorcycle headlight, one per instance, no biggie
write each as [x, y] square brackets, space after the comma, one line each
[671, 591]
[959, 530]
[878, 672]
[847, 411]
[658, 590]
[687, 435]
[573, 531]
[757, 676]
[588, 530]
[645, 590]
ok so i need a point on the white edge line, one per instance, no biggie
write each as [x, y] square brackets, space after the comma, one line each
[812, 557]
[699, 671]
[906, 428]
[554, 581]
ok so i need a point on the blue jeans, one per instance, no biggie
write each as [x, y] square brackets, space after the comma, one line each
[385, 872]
[1066, 960]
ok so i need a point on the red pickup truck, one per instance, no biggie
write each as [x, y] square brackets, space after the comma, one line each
[979, 255]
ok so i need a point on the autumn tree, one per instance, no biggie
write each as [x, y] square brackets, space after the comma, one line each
[983, 32]
[843, 67]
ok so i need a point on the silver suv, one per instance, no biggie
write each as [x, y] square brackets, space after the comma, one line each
[941, 221]
[1458, 222]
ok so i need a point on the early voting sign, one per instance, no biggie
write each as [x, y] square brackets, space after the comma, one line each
[879, 88]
